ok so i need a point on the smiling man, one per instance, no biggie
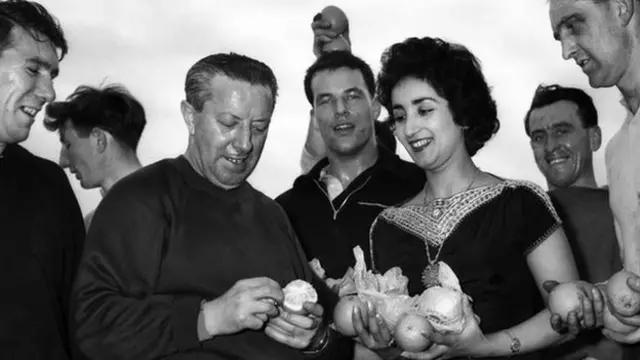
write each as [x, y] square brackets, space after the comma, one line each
[562, 123]
[99, 131]
[41, 230]
[603, 38]
[185, 259]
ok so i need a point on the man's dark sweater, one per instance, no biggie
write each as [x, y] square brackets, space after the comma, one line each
[41, 237]
[163, 240]
[329, 230]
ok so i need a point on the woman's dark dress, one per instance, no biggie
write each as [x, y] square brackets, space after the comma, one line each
[486, 234]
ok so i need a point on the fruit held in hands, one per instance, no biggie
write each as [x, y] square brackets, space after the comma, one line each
[612, 323]
[340, 26]
[296, 293]
[412, 333]
[622, 300]
[337, 18]
[565, 298]
[342, 315]
[443, 307]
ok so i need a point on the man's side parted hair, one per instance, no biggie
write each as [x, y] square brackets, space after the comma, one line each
[335, 60]
[34, 18]
[234, 66]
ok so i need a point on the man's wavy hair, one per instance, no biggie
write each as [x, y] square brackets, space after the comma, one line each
[35, 19]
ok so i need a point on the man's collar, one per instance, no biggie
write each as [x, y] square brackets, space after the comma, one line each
[387, 161]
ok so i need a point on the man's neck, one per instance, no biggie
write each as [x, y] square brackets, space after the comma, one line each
[585, 181]
[119, 171]
[629, 85]
[347, 168]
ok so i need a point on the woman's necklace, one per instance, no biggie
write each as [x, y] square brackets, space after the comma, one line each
[437, 209]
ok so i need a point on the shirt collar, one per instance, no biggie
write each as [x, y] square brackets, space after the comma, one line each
[387, 162]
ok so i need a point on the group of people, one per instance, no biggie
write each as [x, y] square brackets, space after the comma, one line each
[184, 259]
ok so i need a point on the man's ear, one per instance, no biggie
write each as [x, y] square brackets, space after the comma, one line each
[595, 138]
[624, 10]
[189, 116]
[99, 139]
[375, 109]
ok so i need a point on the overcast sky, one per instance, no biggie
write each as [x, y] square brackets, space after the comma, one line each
[148, 46]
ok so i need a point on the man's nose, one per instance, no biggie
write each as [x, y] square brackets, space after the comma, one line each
[568, 48]
[45, 90]
[242, 139]
[64, 158]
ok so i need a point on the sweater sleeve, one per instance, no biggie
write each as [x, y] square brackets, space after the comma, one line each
[74, 236]
[119, 315]
[339, 347]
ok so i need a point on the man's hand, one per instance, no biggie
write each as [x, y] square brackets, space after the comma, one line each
[325, 39]
[296, 330]
[634, 336]
[590, 314]
[248, 304]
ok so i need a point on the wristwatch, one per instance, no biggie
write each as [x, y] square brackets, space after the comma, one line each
[319, 342]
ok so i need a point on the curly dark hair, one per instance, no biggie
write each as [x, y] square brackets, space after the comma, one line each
[34, 18]
[454, 73]
[111, 108]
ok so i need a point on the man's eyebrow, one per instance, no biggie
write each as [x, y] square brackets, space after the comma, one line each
[321, 95]
[44, 64]
[562, 124]
[354, 89]
[565, 19]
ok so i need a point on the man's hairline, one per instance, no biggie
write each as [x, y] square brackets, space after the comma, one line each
[37, 36]
[330, 70]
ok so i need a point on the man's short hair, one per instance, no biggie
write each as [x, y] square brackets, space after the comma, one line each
[234, 66]
[111, 108]
[335, 60]
[35, 19]
[549, 94]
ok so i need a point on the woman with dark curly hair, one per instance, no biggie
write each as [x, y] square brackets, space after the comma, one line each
[501, 237]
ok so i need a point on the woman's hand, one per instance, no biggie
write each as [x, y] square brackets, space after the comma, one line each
[372, 331]
[445, 346]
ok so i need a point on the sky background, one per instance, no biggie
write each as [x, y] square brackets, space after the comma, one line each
[148, 46]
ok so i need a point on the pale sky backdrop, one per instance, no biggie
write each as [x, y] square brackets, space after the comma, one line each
[148, 46]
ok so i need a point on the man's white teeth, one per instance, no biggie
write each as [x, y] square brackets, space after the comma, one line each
[236, 160]
[557, 161]
[30, 111]
[582, 62]
[419, 143]
[343, 127]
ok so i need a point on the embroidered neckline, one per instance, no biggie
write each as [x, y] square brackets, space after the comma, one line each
[436, 221]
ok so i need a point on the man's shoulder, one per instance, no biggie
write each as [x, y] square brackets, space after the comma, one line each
[38, 168]
[300, 188]
[272, 208]
[150, 180]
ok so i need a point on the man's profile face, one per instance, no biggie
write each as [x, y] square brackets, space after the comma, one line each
[81, 156]
[230, 131]
[562, 146]
[344, 110]
[27, 70]
[591, 34]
